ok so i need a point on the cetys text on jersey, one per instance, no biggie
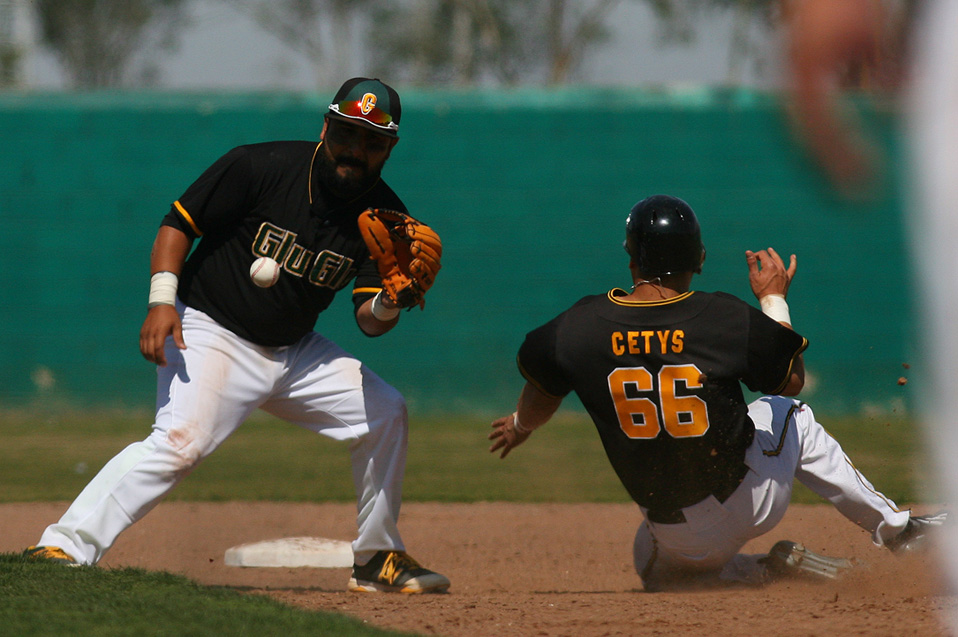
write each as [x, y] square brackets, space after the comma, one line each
[647, 342]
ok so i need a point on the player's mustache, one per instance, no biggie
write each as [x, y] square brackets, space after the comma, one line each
[351, 161]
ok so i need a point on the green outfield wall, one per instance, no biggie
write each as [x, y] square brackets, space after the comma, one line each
[528, 189]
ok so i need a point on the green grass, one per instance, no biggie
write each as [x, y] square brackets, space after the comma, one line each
[888, 451]
[51, 456]
[50, 599]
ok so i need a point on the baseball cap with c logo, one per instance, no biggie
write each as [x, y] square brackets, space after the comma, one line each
[369, 103]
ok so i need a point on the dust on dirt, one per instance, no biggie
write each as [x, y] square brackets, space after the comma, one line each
[530, 569]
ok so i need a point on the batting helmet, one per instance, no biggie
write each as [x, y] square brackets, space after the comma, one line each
[663, 236]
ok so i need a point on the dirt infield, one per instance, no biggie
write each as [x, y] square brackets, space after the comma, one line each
[524, 569]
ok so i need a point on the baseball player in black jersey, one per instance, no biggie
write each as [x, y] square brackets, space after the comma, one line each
[659, 369]
[225, 346]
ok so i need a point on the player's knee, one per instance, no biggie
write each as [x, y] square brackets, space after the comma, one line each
[397, 404]
[386, 412]
[186, 446]
[643, 548]
[390, 402]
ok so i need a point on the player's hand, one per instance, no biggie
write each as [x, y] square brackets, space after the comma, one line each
[505, 436]
[825, 40]
[161, 321]
[767, 273]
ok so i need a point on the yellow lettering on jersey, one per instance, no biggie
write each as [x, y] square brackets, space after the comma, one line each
[637, 413]
[646, 335]
[617, 347]
[663, 340]
[645, 403]
[644, 342]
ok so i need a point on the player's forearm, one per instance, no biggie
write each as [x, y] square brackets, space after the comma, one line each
[825, 37]
[170, 249]
[367, 319]
[535, 408]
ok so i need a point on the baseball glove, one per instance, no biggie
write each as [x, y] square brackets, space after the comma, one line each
[406, 251]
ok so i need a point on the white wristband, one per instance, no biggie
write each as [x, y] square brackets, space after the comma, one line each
[775, 307]
[518, 426]
[380, 312]
[163, 289]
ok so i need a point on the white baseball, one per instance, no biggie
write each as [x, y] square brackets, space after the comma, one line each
[264, 272]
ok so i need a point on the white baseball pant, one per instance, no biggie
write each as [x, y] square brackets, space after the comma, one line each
[204, 394]
[789, 443]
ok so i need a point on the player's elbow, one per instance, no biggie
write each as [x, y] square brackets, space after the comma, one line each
[794, 386]
[796, 378]
[373, 328]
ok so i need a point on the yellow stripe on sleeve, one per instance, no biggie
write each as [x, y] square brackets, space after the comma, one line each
[367, 291]
[187, 217]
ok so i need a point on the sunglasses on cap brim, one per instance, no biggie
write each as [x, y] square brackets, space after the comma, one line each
[376, 116]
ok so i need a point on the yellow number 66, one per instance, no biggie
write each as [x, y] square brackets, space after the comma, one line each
[682, 416]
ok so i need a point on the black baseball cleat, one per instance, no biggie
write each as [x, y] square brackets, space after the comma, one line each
[791, 559]
[915, 534]
[49, 554]
[395, 572]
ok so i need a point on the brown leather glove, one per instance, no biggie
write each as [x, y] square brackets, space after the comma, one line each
[407, 253]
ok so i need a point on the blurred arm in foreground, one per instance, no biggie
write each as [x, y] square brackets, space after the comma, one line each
[834, 46]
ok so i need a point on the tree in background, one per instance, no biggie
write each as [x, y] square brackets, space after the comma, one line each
[95, 41]
[753, 17]
[326, 32]
[452, 42]
[458, 42]
[476, 42]
[98, 43]
[570, 30]
[679, 17]
[10, 51]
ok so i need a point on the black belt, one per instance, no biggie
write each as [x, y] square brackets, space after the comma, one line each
[665, 517]
[677, 517]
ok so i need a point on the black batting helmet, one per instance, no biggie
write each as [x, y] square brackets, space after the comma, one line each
[663, 236]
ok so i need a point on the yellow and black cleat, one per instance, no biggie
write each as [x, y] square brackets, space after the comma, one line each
[50, 554]
[395, 572]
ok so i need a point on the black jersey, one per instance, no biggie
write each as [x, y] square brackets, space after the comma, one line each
[661, 380]
[265, 200]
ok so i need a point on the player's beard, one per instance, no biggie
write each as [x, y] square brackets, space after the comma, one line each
[347, 186]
